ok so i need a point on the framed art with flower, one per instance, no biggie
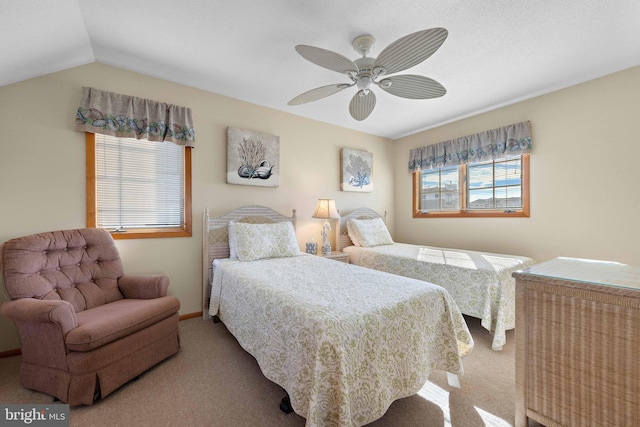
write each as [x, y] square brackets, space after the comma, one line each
[356, 172]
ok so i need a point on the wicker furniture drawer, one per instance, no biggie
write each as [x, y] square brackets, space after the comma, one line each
[577, 344]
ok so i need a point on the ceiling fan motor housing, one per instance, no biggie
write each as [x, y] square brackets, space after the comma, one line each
[364, 78]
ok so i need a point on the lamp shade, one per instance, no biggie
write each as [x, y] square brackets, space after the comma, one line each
[326, 209]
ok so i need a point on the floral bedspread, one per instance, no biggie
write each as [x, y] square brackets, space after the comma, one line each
[479, 282]
[343, 340]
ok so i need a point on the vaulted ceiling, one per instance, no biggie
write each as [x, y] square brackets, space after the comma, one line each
[497, 52]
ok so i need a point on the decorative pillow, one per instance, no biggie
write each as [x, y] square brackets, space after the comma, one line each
[233, 242]
[259, 241]
[369, 232]
[352, 234]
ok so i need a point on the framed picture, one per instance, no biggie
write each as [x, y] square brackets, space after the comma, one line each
[356, 173]
[252, 158]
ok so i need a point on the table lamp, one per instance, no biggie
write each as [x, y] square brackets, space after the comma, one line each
[326, 209]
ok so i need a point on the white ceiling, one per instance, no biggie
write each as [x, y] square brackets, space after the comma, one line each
[498, 51]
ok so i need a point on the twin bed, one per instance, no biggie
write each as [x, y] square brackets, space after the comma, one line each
[343, 341]
[479, 282]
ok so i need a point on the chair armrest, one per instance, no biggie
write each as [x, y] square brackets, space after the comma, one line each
[143, 287]
[41, 311]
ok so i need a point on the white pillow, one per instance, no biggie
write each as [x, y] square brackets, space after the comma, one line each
[259, 241]
[369, 232]
[352, 234]
[233, 242]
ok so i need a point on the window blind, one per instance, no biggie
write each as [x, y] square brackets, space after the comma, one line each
[140, 183]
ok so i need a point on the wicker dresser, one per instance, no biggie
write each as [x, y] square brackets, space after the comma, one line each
[578, 344]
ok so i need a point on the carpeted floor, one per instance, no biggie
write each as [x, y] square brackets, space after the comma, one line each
[214, 382]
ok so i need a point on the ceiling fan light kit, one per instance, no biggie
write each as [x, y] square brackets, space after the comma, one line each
[367, 72]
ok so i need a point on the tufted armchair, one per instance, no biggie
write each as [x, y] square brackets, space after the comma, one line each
[85, 327]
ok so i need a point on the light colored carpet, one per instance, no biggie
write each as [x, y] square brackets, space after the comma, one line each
[214, 382]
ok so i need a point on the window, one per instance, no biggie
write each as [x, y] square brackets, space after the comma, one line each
[138, 188]
[497, 188]
[440, 190]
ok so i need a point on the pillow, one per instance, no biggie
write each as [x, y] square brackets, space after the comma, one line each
[233, 242]
[352, 234]
[259, 241]
[368, 232]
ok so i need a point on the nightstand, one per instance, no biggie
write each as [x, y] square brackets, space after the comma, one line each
[338, 256]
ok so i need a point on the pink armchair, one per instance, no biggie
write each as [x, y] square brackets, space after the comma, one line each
[85, 327]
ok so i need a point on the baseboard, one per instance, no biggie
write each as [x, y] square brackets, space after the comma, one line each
[17, 351]
[10, 353]
[191, 315]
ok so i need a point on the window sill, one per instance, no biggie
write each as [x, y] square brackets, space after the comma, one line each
[150, 233]
[474, 214]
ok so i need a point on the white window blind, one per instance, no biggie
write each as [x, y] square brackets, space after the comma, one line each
[139, 183]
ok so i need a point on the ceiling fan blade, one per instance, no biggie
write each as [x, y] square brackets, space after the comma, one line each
[327, 59]
[318, 93]
[410, 50]
[412, 86]
[362, 104]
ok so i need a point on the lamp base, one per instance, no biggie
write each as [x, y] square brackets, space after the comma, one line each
[326, 245]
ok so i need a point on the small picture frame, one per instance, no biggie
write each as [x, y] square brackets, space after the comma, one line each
[356, 170]
[312, 248]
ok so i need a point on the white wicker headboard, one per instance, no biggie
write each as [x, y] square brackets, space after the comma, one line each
[215, 238]
[342, 238]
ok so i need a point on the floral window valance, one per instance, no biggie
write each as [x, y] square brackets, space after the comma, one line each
[512, 140]
[126, 116]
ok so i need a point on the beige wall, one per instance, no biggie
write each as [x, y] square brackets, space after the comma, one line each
[585, 193]
[42, 168]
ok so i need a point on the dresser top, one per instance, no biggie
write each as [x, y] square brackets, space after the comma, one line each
[605, 273]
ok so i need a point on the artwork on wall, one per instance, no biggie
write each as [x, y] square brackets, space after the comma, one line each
[252, 158]
[356, 170]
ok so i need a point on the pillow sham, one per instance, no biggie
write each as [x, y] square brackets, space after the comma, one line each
[260, 241]
[369, 232]
[352, 234]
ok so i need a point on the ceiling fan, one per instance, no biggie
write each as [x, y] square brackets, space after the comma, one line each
[366, 72]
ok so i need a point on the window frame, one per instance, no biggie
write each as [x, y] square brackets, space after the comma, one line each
[135, 233]
[523, 212]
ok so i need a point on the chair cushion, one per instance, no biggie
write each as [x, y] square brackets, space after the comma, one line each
[107, 323]
[80, 266]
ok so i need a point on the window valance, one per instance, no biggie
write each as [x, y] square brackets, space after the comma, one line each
[512, 140]
[126, 116]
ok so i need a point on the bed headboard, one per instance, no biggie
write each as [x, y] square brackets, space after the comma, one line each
[342, 238]
[215, 238]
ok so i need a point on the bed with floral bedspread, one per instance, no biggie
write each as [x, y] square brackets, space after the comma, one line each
[343, 341]
[479, 282]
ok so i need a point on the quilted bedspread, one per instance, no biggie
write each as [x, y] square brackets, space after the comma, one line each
[344, 341]
[479, 282]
